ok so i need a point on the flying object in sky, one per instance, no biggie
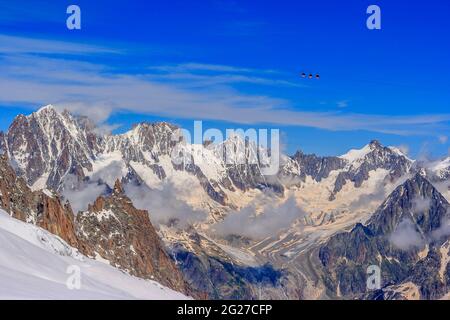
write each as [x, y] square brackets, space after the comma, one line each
[310, 76]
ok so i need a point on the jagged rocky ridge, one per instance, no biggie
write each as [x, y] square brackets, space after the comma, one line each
[38, 207]
[354, 167]
[422, 262]
[114, 229]
[48, 146]
[111, 228]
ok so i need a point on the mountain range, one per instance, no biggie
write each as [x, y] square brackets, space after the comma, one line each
[210, 228]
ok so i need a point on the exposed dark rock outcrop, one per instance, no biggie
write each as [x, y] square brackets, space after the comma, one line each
[39, 208]
[208, 269]
[114, 229]
[378, 157]
[111, 228]
[317, 167]
[346, 256]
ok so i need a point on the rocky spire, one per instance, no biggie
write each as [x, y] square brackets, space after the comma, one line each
[118, 232]
[118, 188]
[375, 144]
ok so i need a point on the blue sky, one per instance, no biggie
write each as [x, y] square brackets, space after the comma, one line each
[237, 64]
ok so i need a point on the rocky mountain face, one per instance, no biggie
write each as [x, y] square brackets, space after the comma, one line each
[118, 232]
[111, 229]
[42, 209]
[211, 270]
[47, 149]
[354, 167]
[372, 157]
[439, 170]
[405, 237]
[48, 146]
[316, 167]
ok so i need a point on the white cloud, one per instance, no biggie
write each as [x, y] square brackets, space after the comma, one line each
[221, 79]
[272, 218]
[443, 139]
[443, 230]
[406, 236]
[81, 194]
[163, 205]
[404, 148]
[421, 205]
[194, 66]
[342, 104]
[36, 80]
[364, 200]
[20, 45]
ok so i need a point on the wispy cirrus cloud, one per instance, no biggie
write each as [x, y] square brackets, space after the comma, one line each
[342, 104]
[32, 75]
[194, 66]
[221, 79]
[20, 45]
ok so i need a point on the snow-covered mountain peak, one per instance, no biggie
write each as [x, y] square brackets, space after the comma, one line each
[236, 149]
[44, 114]
[440, 168]
[49, 108]
[400, 152]
[155, 126]
[55, 123]
[356, 154]
[441, 165]
[148, 132]
[375, 144]
[50, 146]
[373, 152]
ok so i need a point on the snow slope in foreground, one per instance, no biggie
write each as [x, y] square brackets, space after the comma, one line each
[34, 265]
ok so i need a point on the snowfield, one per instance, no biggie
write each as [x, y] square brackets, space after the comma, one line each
[35, 264]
